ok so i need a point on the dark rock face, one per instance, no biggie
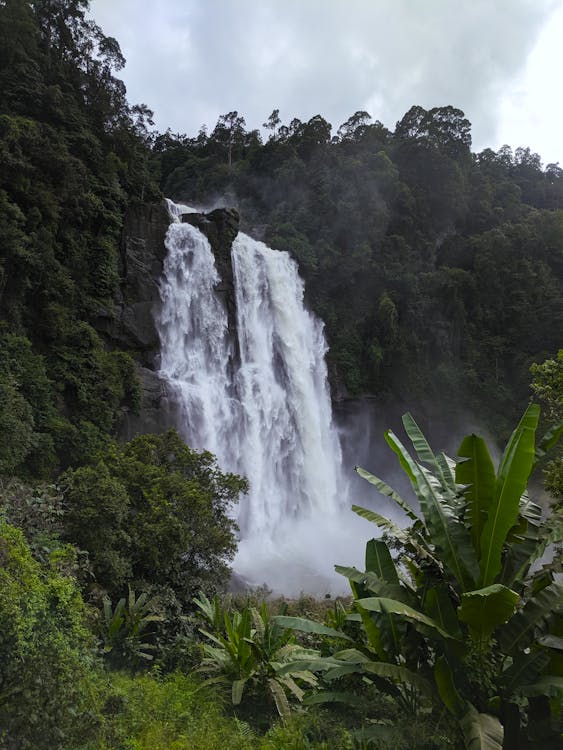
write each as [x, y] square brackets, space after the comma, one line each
[131, 325]
[142, 254]
[220, 227]
[155, 409]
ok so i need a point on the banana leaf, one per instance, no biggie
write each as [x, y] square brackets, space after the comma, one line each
[481, 731]
[237, 691]
[308, 626]
[523, 554]
[280, 698]
[524, 670]
[520, 631]
[388, 491]
[426, 454]
[376, 585]
[512, 479]
[333, 697]
[445, 531]
[485, 609]
[477, 473]
[407, 536]
[393, 607]
[439, 606]
[550, 685]
[447, 690]
[380, 562]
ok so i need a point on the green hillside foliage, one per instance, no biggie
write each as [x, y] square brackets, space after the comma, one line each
[437, 271]
[73, 154]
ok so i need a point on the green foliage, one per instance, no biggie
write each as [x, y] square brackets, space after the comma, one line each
[177, 712]
[436, 271]
[37, 510]
[124, 629]
[73, 153]
[461, 615]
[45, 650]
[250, 650]
[154, 513]
[463, 625]
[547, 386]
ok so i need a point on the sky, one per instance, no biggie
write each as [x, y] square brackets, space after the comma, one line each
[500, 61]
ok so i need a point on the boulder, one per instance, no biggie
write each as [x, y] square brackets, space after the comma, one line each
[220, 227]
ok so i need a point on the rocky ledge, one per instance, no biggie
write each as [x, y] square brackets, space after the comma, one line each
[131, 323]
[220, 227]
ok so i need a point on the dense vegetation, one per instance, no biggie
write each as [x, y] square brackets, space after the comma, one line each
[73, 153]
[435, 270]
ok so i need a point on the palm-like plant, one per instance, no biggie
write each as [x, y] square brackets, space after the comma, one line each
[460, 612]
[124, 630]
[250, 648]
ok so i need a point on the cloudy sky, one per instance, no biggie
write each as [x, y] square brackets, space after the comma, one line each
[501, 61]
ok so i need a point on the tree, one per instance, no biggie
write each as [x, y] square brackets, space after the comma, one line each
[547, 386]
[229, 133]
[272, 123]
[354, 127]
[154, 513]
[444, 128]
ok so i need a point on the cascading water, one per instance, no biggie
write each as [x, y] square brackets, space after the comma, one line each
[262, 406]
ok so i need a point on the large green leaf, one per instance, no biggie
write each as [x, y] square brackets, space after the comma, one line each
[524, 670]
[446, 532]
[376, 585]
[530, 548]
[406, 536]
[308, 626]
[547, 442]
[520, 631]
[447, 689]
[550, 685]
[237, 691]
[485, 609]
[478, 474]
[333, 697]
[373, 629]
[481, 731]
[397, 674]
[280, 698]
[388, 491]
[439, 606]
[425, 452]
[393, 607]
[512, 479]
[380, 562]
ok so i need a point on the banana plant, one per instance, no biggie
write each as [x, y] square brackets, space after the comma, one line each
[460, 613]
[478, 606]
[124, 629]
[248, 648]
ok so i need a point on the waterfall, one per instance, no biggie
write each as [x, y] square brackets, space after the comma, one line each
[260, 404]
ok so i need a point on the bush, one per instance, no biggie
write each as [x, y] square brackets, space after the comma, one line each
[45, 650]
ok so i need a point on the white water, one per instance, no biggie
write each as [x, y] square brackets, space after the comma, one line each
[265, 415]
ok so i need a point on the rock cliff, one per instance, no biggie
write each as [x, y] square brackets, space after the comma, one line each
[132, 327]
[220, 227]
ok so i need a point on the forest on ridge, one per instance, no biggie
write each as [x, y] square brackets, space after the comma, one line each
[438, 273]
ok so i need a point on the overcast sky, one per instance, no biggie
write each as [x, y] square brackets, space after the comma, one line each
[500, 61]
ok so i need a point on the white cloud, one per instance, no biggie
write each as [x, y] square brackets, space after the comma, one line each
[192, 60]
